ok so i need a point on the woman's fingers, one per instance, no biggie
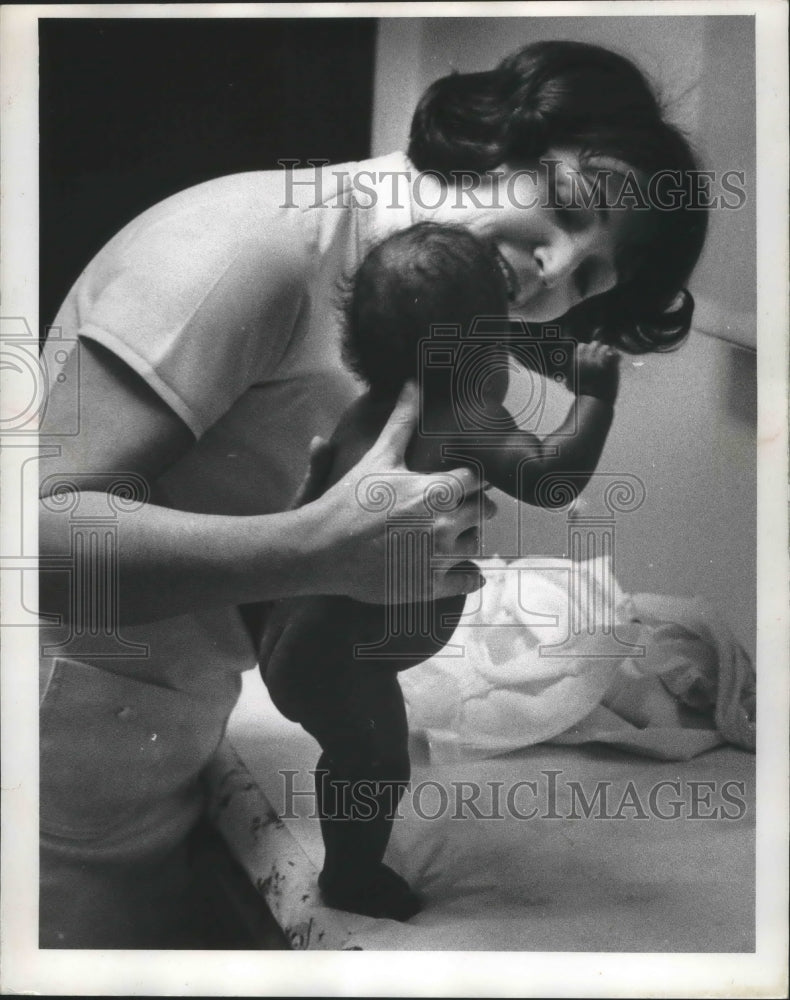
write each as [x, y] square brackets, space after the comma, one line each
[392, 536]
[455, 534]
[380, 497]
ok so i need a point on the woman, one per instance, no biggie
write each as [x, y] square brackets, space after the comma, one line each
[204, 342]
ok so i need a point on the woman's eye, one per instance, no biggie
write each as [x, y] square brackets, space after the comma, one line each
[572, 218]
[568, 213]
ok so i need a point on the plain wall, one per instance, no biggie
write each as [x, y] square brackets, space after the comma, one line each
[685, 422]
[685, 426]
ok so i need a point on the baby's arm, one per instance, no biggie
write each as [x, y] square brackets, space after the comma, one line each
[518, 460]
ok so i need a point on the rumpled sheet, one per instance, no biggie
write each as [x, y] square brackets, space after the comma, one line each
[556, 652]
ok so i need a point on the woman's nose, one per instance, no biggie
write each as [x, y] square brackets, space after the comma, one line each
[558, 259]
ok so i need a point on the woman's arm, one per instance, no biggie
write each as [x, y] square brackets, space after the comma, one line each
[172, 562]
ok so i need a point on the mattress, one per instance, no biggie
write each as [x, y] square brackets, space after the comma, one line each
[549, 848]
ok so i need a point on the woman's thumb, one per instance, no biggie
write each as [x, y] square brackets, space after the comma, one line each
[314, 483]
[398, 431]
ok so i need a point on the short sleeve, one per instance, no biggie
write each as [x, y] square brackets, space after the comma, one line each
[200, 296]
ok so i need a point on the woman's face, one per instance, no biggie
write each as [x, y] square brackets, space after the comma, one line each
[554, 251]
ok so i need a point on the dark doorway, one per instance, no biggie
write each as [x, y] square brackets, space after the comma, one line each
[133, 110]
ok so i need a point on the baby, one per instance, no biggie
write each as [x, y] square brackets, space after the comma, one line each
[310, 653]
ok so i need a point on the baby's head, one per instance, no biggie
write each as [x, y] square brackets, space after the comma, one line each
[426, 275]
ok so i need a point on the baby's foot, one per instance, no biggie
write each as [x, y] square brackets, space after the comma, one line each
[381, 894]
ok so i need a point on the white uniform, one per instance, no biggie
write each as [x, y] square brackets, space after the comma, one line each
[224, 299]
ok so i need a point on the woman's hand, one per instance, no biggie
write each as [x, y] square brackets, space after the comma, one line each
[359, 516]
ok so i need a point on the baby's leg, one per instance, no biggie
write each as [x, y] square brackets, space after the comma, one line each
[354, 708]
[360, 779]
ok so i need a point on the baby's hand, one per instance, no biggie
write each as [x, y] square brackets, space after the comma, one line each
[597, 371]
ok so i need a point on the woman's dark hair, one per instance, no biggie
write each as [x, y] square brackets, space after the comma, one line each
[429, 274]
[555, 95]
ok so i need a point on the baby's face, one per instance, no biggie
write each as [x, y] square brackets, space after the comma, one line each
[553, 256]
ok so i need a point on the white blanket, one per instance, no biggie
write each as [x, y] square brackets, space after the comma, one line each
[555, 651]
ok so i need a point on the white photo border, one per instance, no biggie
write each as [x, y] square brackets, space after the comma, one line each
[25, 968]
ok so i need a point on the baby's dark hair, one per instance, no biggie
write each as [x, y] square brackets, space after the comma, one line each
[428, 274]
[570, 95]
